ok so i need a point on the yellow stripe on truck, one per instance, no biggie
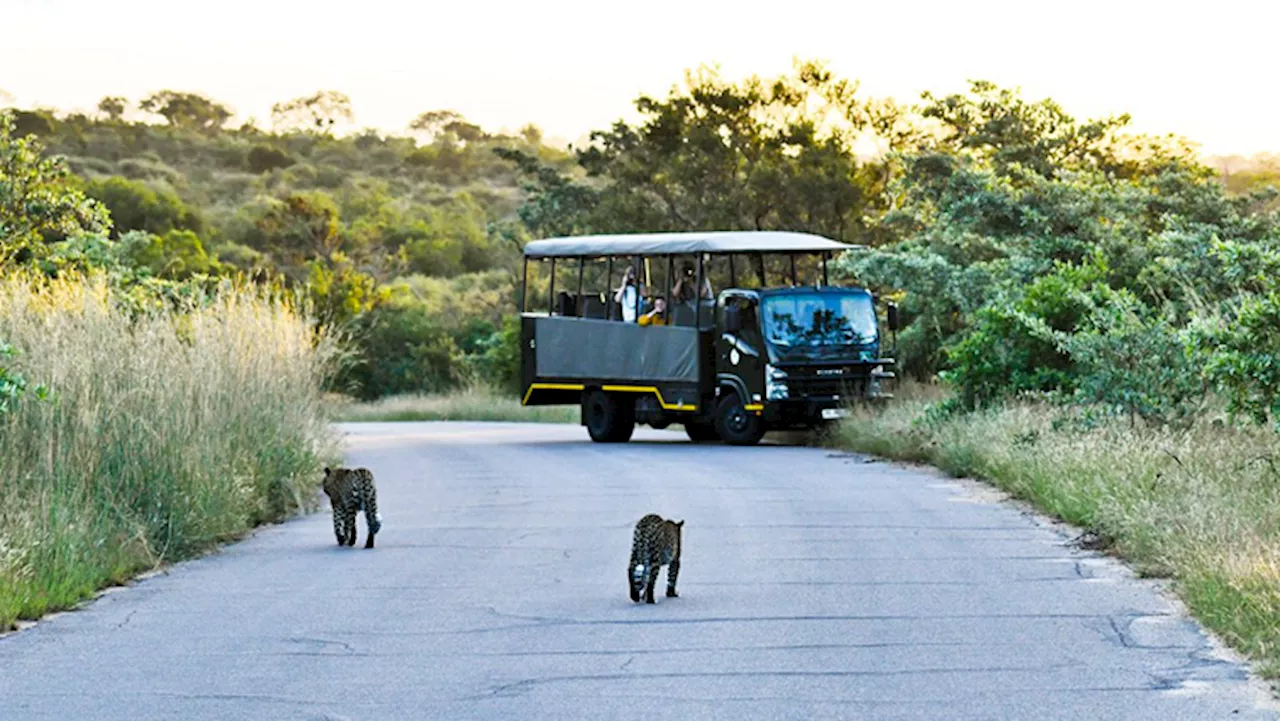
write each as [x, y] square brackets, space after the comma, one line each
[549, 387]
[650, 389]
[614, 389]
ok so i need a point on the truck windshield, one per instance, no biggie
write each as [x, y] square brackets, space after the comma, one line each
[813, 325]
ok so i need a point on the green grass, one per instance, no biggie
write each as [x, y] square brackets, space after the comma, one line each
[164, 436]
[1200, 506]
[476, 404]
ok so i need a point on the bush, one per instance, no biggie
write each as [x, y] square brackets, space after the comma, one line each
[1015, 344]
[265, 157]
[177, 254]
[497, 359]
[137, 205]
[1133, 362]
[400, 348]
[1244, 357]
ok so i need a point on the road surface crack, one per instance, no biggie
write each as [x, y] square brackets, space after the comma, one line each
[321, 642]
[126, 620]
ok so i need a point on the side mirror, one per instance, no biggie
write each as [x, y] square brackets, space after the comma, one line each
[893, 317]
[732, 318]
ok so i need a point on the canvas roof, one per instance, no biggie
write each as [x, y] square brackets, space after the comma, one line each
[720, 242]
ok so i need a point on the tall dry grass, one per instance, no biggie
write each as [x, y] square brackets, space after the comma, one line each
[1200, 506]
[165, 433]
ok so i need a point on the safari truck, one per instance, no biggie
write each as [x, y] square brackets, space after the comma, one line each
[633, 332]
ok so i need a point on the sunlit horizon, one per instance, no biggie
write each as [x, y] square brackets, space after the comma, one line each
[571, 67]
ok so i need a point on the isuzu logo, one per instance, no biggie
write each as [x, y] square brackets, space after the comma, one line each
[830, 371]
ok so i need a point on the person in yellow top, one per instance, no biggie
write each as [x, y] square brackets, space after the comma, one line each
[657, 316]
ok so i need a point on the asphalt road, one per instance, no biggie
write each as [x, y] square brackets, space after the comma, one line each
[813, 585]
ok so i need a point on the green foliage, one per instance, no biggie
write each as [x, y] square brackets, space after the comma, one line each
[997, 124]
[401, 349]
[1136, 363]
[112, 108]
[1245, 358]
[299, 227]
[1015, 343]
[721, 156]
[339, 293]
[12, 384]
[38, 200]
[138, 205]
[33, 122]
[178, 254]
[447, 126]
[264, 158]
[400, 206]
[495, 358]
[1029, 252]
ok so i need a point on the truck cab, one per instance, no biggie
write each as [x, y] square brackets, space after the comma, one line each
[798, 355]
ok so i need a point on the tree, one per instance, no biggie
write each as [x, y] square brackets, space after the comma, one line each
[755, 155]
[338, 293]
[318, 112]
[136, 205]
[262, 158]
[555, 205]
[33, 122]
[998, 125]
[300, 227]
[39, 201]
[447, 125]
[112, 108]
[186, 110]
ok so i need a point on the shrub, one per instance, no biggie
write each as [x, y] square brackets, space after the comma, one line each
[400, 348]
[263, 158]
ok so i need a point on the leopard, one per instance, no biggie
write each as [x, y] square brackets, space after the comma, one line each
[351, 490]
[655, 543]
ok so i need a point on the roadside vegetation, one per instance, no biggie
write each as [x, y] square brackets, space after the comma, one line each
[134, 437]
[142, 420]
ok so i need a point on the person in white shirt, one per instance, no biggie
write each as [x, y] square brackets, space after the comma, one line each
[627, 295]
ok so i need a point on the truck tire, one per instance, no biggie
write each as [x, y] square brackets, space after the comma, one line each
[609, 418]
[701, 432]
[736, 425]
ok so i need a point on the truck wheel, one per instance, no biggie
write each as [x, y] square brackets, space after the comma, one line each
[736, 425]
[701, 432]
[609, 419]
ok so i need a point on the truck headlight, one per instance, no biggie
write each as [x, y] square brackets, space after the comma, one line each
[775, 385]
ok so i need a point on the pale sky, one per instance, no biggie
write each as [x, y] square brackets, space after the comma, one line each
[571, 66]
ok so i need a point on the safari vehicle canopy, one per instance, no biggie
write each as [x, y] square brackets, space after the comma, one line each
[634, 333]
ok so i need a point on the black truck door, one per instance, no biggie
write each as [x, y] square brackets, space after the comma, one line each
[740, 348]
